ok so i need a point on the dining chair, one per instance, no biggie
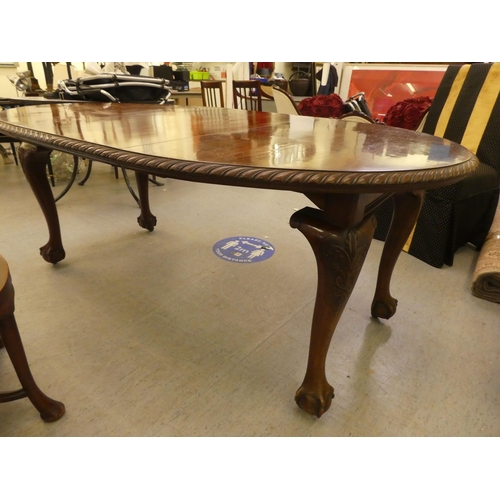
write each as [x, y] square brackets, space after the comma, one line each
[284, 102]
[212, 93]
[264, 94]
[10, 339]
[466, 110]
[247, 95]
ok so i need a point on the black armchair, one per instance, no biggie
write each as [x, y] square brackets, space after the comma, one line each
[466, 109]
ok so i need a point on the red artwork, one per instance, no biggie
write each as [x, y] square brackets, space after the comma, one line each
[385, 87]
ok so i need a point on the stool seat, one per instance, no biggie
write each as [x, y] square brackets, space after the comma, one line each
[50, 410]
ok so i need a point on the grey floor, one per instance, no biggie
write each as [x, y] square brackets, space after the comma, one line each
[150, 334]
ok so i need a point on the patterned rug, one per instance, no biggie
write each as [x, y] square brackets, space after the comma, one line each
[486, 277]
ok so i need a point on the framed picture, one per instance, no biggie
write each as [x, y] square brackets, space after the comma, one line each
[387, 84]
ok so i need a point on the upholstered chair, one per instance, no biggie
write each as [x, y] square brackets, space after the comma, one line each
[466, 110]
[284, 102]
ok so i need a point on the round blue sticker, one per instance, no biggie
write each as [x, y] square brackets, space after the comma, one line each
[243, 249]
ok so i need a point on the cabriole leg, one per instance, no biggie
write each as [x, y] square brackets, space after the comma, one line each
[34, 161]
[406, 209]
[146, 219]
[340, 254]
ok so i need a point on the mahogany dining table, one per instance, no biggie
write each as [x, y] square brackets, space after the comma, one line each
[343, 169]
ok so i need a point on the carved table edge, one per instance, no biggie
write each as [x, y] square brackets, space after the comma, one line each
[274, 178]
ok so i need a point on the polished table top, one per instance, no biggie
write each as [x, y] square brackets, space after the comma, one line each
[344, 168]
[250, 148]
[196, 92]
[31, 101]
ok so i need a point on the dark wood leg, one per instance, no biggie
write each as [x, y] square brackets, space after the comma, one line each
[14, 154]
[50, 410]
[87, 175]
[146, 220]
[340, 254]
[406, 209]
[34, 160]
[153, 180]
[129, 186]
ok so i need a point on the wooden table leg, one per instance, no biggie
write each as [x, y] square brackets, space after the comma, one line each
[406, 209]
[34, 161]
[340, 254]
[146, 219]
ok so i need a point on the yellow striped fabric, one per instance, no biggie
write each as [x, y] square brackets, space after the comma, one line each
[449, 105]
[482, 109]
[406, 248]
[479, 117]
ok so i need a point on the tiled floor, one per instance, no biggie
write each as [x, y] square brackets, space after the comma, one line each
[150, 334]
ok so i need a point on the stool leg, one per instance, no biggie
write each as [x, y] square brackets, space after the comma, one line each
[50, 410]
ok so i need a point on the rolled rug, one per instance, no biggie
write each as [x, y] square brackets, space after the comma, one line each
[486, 277]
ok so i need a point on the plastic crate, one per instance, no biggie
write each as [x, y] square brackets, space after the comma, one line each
[199, 75]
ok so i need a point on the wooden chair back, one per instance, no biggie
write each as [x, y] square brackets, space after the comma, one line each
[212, 94]
[247, 95]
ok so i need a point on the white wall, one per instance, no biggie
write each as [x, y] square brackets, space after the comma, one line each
[6, 87]
[8, 90]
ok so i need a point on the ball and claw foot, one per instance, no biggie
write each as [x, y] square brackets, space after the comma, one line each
[384, 309]
[54, 412]
[52, 254]
[314, 404]
[148, 223]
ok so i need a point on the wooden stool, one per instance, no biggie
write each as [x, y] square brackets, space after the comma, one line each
[49, 409]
